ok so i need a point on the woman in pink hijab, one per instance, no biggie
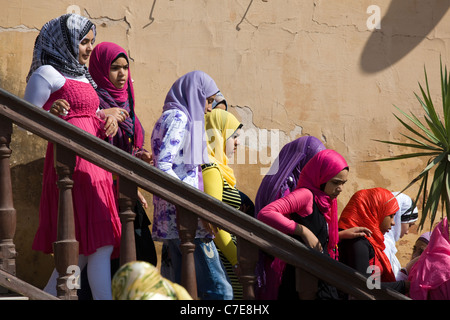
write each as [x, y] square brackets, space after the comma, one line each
[430, 275]
[309, 214]
[110, 69]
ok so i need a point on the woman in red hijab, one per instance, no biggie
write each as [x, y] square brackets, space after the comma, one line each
[374, 209]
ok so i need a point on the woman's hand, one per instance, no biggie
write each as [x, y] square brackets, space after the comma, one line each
[308, 237]
[410, 264]
[111, 126]
[60, 107]
[145, 156]
[354, 232]
[120, 114]
[142, 200]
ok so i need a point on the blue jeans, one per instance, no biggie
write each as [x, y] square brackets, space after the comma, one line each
[212, 279]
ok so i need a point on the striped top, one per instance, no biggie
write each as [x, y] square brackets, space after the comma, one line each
[230, 195]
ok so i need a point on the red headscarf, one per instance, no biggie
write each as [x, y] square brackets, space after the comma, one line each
[368, 208]
[325, 165]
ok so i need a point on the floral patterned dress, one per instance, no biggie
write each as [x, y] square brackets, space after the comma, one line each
[168, 143]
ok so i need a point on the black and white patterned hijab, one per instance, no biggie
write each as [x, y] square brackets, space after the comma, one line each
[57, 45]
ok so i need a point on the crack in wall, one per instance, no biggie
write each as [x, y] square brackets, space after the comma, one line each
[20, 28]
[105, 20]
[257, 138]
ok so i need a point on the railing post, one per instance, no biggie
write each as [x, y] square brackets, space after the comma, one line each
[127, 201]
[7, 212]
[187, 225]
[248, 257]
[66, 247]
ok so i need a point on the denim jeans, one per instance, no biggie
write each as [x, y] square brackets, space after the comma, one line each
[212, 279]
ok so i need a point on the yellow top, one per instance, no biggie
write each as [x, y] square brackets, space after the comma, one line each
[213, 185]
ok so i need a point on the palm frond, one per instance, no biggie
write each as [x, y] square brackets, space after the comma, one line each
[431, 138]
[419, 124]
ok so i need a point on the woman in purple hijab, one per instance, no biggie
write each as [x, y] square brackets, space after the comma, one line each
[281, 179]
[179, 149]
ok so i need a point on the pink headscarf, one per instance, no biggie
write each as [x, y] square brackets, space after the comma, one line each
[432, 269]
[103, 55]
[319, 170]
[99, 63]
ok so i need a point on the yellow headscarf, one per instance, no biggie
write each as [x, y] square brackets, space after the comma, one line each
[220, 125]
[140, 280]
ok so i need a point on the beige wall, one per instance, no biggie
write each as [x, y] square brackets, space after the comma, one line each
[291, 67]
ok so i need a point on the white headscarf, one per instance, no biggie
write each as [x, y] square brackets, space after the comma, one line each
[406, 214]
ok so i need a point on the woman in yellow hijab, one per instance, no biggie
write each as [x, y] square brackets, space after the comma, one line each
[219, 181]
[140, 280]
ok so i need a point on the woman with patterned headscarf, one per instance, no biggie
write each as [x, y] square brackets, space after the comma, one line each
[179, 149]
[374, 209]
[59, 82]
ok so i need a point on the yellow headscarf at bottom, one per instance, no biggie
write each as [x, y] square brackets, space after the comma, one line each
[220, 125]
[140, 280]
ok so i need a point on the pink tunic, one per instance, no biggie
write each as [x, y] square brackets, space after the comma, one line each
[97, 223]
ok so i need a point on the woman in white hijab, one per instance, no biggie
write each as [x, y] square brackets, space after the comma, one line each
[405, 217]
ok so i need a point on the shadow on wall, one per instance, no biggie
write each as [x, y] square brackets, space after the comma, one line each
[404, 26]
[31, 266]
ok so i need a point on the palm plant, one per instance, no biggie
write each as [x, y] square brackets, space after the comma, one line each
[431, 138]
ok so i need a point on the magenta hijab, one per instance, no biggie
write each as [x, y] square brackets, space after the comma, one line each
[188, 94]
[100, 62]
[319, 170]
[103, 55]
[432, 269]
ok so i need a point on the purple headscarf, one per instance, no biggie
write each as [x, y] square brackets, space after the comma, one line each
[188, 94]
[283, 177]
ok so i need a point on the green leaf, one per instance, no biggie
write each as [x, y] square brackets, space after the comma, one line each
[418, 124]
[435, 194]
[438, 132]
[423, 144]
[431, 138]
[406, 156]
[411, 145]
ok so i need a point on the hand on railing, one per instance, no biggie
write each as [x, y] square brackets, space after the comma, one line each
[146, 156]
[308, 237]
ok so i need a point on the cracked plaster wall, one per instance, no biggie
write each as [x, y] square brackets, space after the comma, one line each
[291, 67]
